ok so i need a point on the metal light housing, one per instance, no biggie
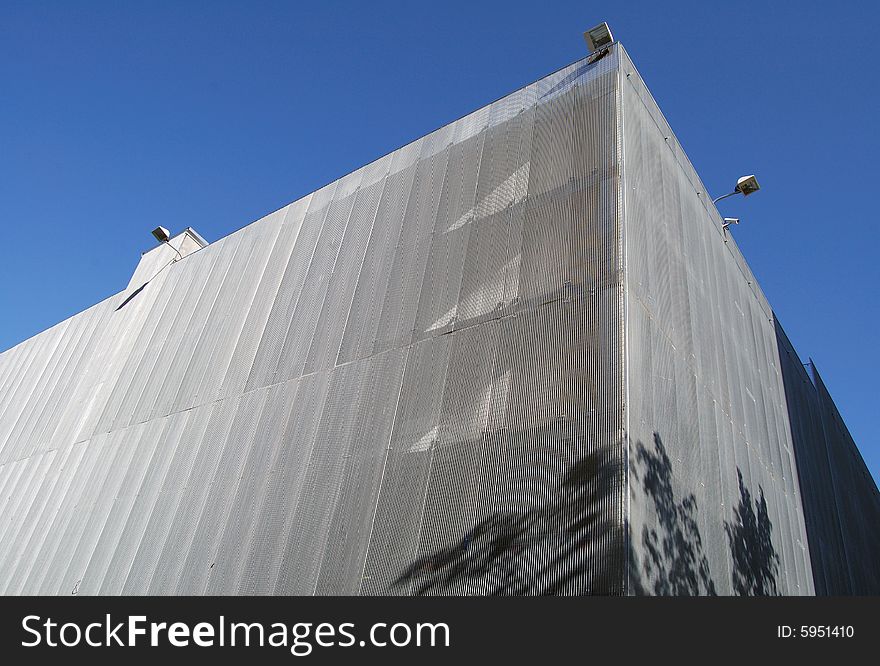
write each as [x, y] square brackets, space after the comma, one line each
[161, 234]
[598, 37]
[747, 185]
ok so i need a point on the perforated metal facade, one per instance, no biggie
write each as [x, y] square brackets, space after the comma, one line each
[714, 494]
[840, 499]
[517, 355]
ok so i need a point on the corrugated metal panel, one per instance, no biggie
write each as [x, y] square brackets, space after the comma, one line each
[714, 495]
[840, 499]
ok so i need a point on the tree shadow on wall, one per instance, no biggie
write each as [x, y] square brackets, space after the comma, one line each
[755, 560]
[674, 562]
[565, 546]
[569, 544]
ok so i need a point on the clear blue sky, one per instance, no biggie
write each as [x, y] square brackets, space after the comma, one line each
[117, 117]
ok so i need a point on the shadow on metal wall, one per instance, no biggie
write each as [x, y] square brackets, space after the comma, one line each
[562, 546]
[559, 547]
[754, 559]
[674, 562]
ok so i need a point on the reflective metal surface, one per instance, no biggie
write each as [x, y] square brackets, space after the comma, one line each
[516, 356]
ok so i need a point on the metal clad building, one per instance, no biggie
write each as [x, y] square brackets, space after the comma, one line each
[841, 503]
[516, 356]
[714, 494]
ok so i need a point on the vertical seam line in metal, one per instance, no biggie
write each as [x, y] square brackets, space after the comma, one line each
[621, 216]
[384, 467]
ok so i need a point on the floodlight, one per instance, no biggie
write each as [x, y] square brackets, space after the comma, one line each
[745, 186]
[161, 234]
[598, 37]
